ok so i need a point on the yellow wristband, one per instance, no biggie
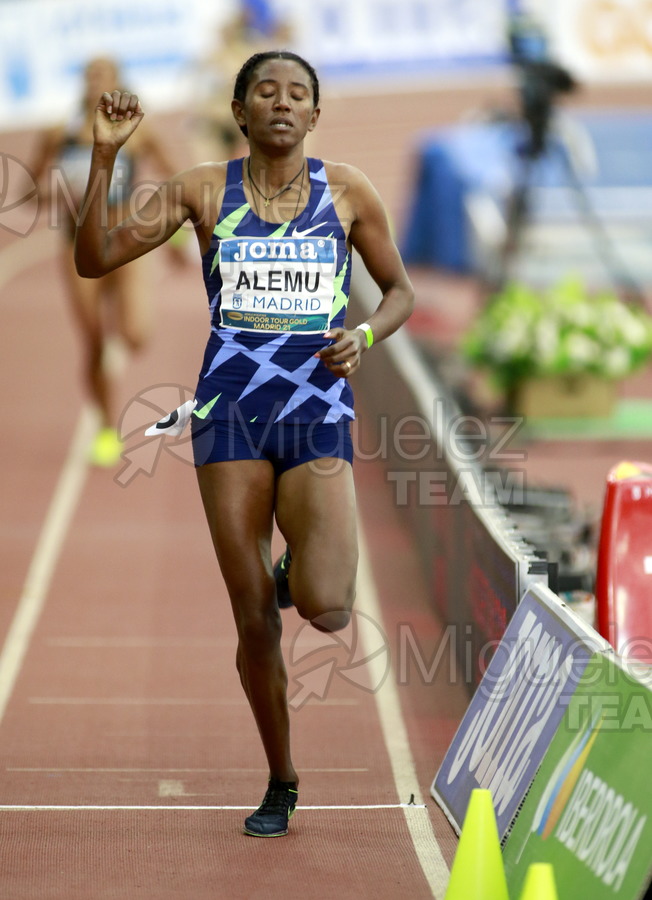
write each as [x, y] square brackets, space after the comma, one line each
[366, 327]
[180, 238]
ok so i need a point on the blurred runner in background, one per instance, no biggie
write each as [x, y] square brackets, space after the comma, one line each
[252, 29]
[117, 304]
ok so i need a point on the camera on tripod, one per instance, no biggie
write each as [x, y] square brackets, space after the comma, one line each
[541, 78]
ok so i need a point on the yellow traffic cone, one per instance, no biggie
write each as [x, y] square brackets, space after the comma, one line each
[478, 872]
[539, 883]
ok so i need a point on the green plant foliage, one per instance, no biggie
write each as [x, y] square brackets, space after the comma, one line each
[563, 330]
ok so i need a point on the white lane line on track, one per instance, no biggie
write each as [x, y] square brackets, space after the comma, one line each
[171, 701]
[14, 258]
[83, 808]
[138, 643]
[53, 532]
[397, 742]
[127, 642]
[120, 770]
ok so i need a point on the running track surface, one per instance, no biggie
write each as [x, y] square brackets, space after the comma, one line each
[128, 756]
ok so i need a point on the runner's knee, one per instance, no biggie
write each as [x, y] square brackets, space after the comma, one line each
[326, 606]
[258, 630]
[333, 620]
[135, 338]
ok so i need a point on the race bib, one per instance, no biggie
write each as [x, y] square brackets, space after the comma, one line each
[277, 284]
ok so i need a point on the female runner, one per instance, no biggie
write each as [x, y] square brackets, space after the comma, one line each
[271, 425]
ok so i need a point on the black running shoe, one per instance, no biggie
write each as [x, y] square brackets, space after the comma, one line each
[272, 816]
[281, 573]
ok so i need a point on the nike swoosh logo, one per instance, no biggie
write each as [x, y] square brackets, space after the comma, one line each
[204, 411]
[300, 234]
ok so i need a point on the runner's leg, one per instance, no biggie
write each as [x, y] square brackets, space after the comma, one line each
[86, 299]
[132, 306]
[238, 498]
[316, 513]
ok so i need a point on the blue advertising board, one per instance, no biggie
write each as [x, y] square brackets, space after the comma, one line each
[515, 711]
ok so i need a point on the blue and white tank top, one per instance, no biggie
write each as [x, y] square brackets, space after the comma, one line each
[74, 163]
[273, 290]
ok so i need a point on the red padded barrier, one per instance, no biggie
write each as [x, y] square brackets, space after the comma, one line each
[624, 568]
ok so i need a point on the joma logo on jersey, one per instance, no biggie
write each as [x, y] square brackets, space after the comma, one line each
[275, 250]
[311, 250]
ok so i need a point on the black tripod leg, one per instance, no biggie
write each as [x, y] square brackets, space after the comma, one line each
[603, 242]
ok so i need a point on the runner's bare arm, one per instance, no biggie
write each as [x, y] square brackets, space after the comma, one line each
[98, 248]
[371, 236]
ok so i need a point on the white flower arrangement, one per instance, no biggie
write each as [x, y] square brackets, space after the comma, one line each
[563, 330]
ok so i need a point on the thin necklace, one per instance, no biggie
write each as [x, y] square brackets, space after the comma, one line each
[299, 195]
[287, 187]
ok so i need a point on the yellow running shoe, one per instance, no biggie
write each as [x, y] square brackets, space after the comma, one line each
[106, 448]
